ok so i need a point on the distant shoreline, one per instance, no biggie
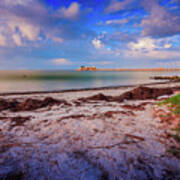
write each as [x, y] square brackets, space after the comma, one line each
[82, 89]
[84, 68]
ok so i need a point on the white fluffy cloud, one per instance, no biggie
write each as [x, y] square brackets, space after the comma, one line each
[16, 2]
[117, 21]
[17, 33]
[153, 54]
[97, 43]
[142, 44]
[116, 5]
[2, 40]
[72, 12]
[148, 44]
[60, 61]
[17, 39]
[151, 49]
[26, 30]
[20, 23]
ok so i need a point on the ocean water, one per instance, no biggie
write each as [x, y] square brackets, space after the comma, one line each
[15, 81]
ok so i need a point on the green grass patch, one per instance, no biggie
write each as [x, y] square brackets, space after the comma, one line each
[177, 110]
[173, 102]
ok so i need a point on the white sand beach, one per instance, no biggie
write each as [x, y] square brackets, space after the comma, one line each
[94, 139]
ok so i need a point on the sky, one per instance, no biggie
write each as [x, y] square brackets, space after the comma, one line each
[65, 34]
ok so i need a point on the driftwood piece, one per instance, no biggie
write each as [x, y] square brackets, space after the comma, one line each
[135, 137]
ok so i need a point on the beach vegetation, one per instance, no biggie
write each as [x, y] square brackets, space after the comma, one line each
[173, 103]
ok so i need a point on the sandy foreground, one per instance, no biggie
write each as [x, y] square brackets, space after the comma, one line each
[77, 138]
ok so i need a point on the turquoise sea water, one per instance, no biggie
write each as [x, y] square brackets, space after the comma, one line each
[12, 81]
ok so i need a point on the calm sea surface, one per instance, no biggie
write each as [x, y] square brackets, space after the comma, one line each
[11, 81]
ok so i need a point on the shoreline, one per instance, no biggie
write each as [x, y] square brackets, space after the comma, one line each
[84, 89]
[93, 68]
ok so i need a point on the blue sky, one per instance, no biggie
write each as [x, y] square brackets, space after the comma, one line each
[65, 34]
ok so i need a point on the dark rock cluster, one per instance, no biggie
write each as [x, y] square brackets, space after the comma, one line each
[140, 93]
[171, 78]
[143, 93]
[29, 104]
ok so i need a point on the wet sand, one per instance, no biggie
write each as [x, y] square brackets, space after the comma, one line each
[109, 133]
[166, 83]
